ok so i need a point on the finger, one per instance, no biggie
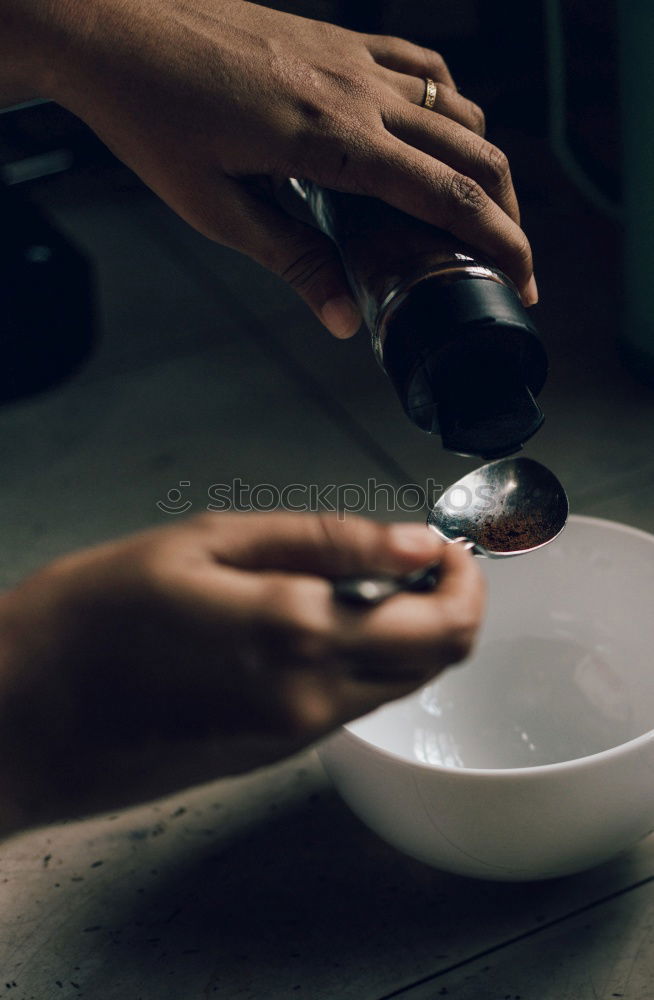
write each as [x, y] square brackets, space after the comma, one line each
[411, 633]
[448, 102]
[301, 255]
[422, 186]
[317, 544]
[456, 146]
[405, 57]
[391, 665]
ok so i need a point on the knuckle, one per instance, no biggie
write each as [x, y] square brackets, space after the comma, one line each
[392, 44]
[356, 84]
[466, 195]
[427, 61]
[436, 62]
[328, 113]
[333, 102]
[300, 633]
[477, 118]
[495, 165]
[324, 121]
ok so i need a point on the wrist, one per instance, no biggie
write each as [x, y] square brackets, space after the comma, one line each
[19, 56]
[38, 38]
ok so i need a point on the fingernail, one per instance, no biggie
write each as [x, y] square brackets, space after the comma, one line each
[413, 538]
[341, 316]
[530, 297]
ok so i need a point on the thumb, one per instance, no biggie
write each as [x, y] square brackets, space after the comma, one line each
[304, 257]
[321, 544]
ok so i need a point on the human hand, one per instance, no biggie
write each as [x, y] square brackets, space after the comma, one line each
[209, 101]
[180, 654]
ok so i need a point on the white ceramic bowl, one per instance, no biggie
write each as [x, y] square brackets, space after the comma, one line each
[535, 758]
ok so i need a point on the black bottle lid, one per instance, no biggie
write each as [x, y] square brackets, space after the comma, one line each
[466, 362]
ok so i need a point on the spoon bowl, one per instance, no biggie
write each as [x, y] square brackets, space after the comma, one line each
[504, 508]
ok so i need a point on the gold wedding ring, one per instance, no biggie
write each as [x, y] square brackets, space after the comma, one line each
[431, 89]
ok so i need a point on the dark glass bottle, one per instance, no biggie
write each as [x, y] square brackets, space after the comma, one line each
[448, 328]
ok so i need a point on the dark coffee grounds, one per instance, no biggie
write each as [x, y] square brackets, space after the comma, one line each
[510, 534]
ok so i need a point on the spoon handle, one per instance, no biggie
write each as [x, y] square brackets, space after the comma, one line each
[368, 591]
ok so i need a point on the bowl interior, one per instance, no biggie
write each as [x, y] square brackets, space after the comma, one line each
[563, 667]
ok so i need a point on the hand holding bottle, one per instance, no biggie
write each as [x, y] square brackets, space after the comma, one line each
[211, 100]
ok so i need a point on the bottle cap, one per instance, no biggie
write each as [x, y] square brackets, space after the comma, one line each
[467, 363]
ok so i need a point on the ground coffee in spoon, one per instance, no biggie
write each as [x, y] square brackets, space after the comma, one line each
[511, 533]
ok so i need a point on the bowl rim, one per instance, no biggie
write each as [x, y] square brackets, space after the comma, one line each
[501, 773]
[536, 769]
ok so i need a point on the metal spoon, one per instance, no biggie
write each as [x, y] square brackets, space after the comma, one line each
[505, 508]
